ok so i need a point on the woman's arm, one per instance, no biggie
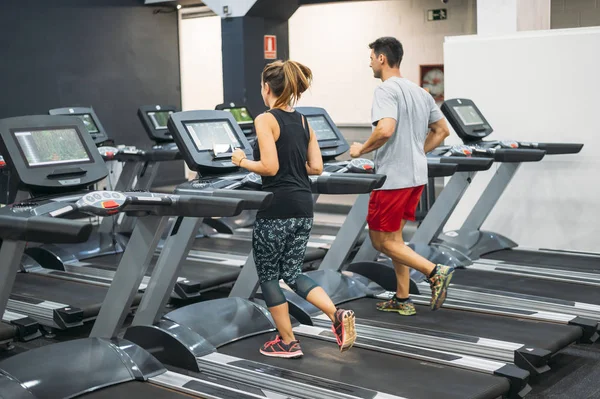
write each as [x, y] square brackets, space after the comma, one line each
[314, 164]
[266, 129]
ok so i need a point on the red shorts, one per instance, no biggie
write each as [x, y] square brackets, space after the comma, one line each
[387, 208]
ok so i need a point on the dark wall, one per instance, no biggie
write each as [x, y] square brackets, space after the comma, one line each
[243, 52]
[112, 55]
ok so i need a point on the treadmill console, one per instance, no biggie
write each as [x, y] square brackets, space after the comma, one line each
[466, 119]
[50, 153]
[331, 140]
[90, 120]
[207, 139]
[154, 118]
[242, 116]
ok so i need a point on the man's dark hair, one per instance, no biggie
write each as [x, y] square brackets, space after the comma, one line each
[391, 48]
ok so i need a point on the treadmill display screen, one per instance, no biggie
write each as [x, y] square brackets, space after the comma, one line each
[241, 115]
[89, 123]
[468, 115]
[159, 118]
[321, 127]
[51, 146]
[207, 134]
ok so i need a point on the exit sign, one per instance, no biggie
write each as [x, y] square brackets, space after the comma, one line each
[437, 15]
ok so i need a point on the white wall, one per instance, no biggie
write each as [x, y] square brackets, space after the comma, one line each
[201, 63]
[496, 16]
[333, 39]
[536, 86]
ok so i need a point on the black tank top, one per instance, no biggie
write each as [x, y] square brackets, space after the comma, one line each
[292, 196]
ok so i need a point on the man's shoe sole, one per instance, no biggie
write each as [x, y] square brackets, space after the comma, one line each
[397, 311]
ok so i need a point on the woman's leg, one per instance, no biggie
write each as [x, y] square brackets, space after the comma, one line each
[268, 243]
[291, 272]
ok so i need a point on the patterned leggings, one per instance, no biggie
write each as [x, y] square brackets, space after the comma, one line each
[279, 246]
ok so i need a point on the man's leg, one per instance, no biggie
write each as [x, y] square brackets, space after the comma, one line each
[401, 302]
[392, 245]
[388, 213]
[402, 271]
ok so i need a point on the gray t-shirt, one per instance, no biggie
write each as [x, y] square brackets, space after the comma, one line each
[402, 158]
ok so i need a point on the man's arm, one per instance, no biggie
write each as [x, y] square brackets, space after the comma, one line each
[382, 133]
[437, 134]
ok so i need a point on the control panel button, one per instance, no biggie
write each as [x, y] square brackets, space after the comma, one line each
[109, 204]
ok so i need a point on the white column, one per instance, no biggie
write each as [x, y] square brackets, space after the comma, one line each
[497, 17]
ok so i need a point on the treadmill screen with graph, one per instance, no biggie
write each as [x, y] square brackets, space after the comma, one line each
[89, 123]
[468, 115]
[206, 134]
[43, 147]
[159, 118]
[322, 128]
[240, 114]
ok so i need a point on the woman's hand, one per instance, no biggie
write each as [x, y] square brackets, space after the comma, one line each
[238, 156]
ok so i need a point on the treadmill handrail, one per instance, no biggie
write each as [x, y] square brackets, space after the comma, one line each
[470, 164]
[43, 229]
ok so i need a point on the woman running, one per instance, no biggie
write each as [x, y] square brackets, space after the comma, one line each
[287, 153]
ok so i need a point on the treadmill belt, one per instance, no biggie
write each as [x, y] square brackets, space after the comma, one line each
[40, 288]
[552, 337]
[527, 285]
[135, 389]
[554, 260]
[243, 247]
[208, 275]
[377, 371]
[7, 331]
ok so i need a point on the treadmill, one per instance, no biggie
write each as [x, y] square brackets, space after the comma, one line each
[504, 337]
[51, 300]
[120, 367]
[242, 116]
[224, 247]
[14, 326]
[568, 287]
[332, 144]
[95, 261]
[228, 344]
[493, 247]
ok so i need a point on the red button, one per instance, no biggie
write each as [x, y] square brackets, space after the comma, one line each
[2, 164]
[109, 204]
[367, 167]
[514, 145]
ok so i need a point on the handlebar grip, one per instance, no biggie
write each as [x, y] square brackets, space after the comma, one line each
[441, 169]
[252, 199]
[518, 155]
[560, 148]
[468, 164]
[44, 229]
